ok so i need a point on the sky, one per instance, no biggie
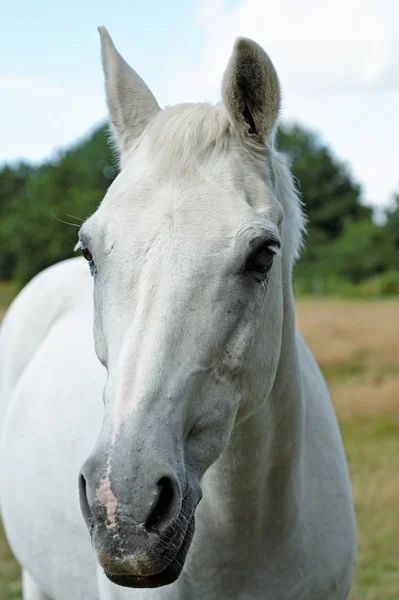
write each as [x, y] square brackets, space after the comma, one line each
[338, 64]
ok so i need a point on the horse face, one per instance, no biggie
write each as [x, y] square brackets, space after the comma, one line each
[184, 252]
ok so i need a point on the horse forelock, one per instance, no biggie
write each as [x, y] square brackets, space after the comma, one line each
[184, 138]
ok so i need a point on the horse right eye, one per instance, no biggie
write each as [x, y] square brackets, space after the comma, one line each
[87, 255]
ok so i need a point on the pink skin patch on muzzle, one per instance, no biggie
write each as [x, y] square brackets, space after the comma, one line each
[106, 497]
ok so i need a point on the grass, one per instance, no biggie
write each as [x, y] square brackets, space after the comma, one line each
[7, 293]
[372, 445]
[357, 345]
[10, 573]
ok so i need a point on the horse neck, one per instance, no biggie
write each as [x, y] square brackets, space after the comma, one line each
[255, 486]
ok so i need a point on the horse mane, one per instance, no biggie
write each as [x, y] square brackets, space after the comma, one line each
[289, 198]
[181, 136]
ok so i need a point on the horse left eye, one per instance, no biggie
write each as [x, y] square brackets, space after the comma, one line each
[262, 260]
[87, 255]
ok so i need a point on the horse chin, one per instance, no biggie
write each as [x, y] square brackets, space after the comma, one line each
[165, 577]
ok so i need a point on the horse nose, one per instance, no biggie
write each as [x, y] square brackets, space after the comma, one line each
[153, 507]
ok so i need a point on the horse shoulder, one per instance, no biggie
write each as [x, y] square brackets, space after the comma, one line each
[31, 316]
[51, 392]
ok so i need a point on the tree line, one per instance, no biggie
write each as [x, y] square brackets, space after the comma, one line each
[344, 244]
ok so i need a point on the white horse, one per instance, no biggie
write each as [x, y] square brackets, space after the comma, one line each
[208, 388]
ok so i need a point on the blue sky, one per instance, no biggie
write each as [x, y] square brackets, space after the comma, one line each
[52, 75]
[60, 40]
[338, 64]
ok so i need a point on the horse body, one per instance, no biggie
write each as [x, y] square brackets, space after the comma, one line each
[253, 548]
[50, 423]
[209, 390]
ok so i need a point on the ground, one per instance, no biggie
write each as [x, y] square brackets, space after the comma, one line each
[357, 347]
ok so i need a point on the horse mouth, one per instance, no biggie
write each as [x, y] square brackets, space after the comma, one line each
[165, 577]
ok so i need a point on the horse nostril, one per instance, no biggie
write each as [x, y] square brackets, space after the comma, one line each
[166, 505]
[84, 504]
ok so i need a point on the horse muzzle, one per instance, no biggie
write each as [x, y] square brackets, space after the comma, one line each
[144, 543]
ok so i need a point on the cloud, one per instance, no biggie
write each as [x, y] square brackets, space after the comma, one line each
[337, 61]
[40, 115]
[338, 65]
[319, 47]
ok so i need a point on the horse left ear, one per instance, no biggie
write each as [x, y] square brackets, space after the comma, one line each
[251, 90]
[130, 102]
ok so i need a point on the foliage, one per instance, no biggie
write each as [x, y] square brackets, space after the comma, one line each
[330, 194]
[34, 201]
[362, 250]
[389, 283]
[380, 286]
[343, 244]
[392, 225]
[13, 194]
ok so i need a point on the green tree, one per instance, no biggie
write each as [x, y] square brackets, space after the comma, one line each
[342, 238]
[74, 184]
[362, 251]
[332, 203]
[13, 193]
[329, 192]
[392, 226]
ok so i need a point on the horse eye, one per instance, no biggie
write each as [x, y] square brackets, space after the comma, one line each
[87, 255]
[262, 260]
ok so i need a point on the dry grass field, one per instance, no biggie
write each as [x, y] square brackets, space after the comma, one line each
[357, 346]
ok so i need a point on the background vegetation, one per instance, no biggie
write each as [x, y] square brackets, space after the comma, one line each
[346, 250]
[356, 343]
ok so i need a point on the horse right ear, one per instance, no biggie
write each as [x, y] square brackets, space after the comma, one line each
[251, 90]
[131, 104]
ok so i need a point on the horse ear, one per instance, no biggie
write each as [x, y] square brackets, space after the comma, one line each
[251, 90]
[131, 104]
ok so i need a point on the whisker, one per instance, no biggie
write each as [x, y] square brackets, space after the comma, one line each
[65, 222]
[76, 218]
[278, 283]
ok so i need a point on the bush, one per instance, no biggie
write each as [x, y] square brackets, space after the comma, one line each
[386, 284]
[389, 283]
